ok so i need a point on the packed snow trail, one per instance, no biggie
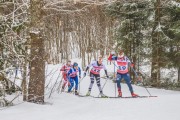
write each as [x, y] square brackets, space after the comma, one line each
[70, 107]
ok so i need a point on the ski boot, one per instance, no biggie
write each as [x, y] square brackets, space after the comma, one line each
[88, 93]
[76, 93]
[62, 89]
[119, 93]
[134, 95]
[103, 96]
[69, 91]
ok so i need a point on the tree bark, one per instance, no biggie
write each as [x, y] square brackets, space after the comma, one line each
[37, 64]
[24, 82]
[179, 75]
[155, 67]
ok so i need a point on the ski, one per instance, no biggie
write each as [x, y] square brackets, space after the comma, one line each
[128, 97]
[81, 96]
[84, 96]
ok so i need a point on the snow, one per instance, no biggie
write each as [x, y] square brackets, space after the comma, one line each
[35, 31]
[158, 28]
[66, 106]
[177, 4]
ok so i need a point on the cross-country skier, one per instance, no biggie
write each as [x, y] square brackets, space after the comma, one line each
[73, 77]
[65, 69]
[122, 72]
[95, 73]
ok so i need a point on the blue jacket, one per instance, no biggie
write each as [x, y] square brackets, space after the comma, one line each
[73, 72]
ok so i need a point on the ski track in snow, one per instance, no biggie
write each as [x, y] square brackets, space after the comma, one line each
[66, 106]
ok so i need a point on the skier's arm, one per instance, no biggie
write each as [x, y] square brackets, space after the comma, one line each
[63, 68]
[129, 62]
[88, 68]
[112, 57]
[106, 73]
[70, 71]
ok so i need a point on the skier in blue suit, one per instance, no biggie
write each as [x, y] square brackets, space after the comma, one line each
[73, 75]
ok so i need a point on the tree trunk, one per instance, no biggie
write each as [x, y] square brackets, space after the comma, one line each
[37, 63]
[37, 70]
[24, 82]
[155, 67]
[179, 75]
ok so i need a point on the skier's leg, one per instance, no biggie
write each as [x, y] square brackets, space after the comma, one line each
[91, 84]
[119, 78]
[64, 81]
[76, 83]
[92, 81]
[72, 84]
[64, 84]
[98, 83]
[128, 82]
[68, 81]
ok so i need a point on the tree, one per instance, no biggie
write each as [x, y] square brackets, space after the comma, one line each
[37, 63]
[155, 67]
[133, 19]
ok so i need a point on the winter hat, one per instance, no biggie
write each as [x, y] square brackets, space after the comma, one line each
[75, 64]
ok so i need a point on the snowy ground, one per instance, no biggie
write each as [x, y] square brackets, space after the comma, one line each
[66, 106]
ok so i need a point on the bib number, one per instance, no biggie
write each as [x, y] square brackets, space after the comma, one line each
[122, 67]
[96, 70]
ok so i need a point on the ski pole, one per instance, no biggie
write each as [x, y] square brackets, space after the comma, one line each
[59, 87]
[54, 86]
[104, 85]
[80, 82]
[114, 78]
[142, 81]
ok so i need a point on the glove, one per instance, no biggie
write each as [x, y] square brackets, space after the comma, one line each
[84, 74]
[139, 79]
[132, 64]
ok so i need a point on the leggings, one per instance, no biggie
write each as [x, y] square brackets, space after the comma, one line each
[72, 80]
[126, 78]
[97, 77]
